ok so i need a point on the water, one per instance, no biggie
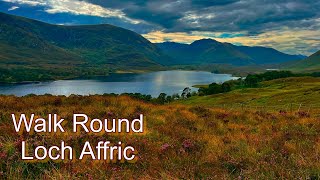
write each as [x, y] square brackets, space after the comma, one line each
[154, 83]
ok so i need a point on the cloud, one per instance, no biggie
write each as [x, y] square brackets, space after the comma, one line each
[250, 15]
[202, 3]
[290, 26]
[254, 16]
[28, 2]
[13, 8]
[76, 7]
[191, 19]
[286, 40]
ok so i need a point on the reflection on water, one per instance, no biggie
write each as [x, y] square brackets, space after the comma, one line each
[154, 83]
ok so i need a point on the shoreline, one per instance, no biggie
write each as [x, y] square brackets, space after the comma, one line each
[117, 72]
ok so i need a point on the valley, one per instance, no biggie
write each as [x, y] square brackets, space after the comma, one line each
[36, 51]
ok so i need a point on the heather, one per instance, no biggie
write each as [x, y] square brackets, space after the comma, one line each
[181, 141]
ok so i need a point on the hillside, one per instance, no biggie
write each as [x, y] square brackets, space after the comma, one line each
[279, 94]
[205, 51]
[264, 55]
[310, 64]
[208, 51]
[181, 142]
[31, 50]
[27, 43]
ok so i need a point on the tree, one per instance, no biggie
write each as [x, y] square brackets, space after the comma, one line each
[175, 96]
[169, 99]
[194, 93]
[202, 91]
[214, 88]
[162, 98]
[186, 93]
[226, 87]
[251, 81]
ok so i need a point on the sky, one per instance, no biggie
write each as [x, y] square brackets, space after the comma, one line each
[291, 26]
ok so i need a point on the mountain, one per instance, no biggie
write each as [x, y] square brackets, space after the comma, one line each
[32, 50]
[34, 44]
[205, 51]
[264, 55]
[208, 51]
[310, 64]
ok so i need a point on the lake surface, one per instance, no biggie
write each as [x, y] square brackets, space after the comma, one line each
[153, 83]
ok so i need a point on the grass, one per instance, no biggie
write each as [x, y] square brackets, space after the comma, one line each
[310, 64]
[193, 140]
[285, 91]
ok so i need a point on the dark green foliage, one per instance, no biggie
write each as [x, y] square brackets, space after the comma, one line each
[186, 93]
[139, 96]
[162, 98]
[215, 88]
[175, 96]
[226, 87]
[251, 81]
[169, 99]
[19, 75]
[315, 74]
[25, 74]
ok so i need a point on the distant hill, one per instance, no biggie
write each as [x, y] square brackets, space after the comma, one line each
[264, 55]
[205, 51]
[208, 51]
[310, 64]
[29, 43]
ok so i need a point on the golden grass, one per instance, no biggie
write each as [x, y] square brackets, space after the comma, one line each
[182, 142]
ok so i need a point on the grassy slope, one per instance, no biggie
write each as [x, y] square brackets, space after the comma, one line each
[204, 143]
[68, 51]
[280, 92]
[96, 44]
[310, 64]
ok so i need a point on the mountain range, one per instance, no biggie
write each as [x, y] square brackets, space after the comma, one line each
[209, 51]
[39, 50]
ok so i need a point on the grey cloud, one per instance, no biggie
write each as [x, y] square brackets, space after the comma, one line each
[202, 3]
[253, 16]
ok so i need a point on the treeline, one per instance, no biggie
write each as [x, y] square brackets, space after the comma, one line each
[215, 88]
[161, 99]
[255, 79]
[251, 81]
[18, 75]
